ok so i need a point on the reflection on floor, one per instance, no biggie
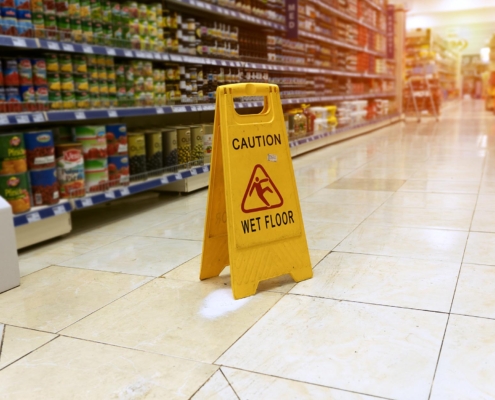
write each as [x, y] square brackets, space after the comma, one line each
[401, 230]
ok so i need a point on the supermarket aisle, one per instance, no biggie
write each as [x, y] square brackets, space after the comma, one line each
[401, 230]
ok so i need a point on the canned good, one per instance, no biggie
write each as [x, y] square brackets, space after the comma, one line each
[51, 62]
[93, 87]
[118, 170]
[137, 153]
[70, 169]
[53, 79]
[102, 73]
[88, 132]
[37, 6]
[10, 72]
[50, 21]
[14, 188]
[96, 181]
[154, 153]
[49, 7]
[27, 94]
[65, 63]
[116, 135]
[68, 100]
[9, 26]
[40, 150]
[169, 141]
[87, 30]
[39, 24]
[12, 154]
[103, 87]
[13, 99]
[55, 99]
[85, 9]
[94, 99]
[183, 144]
[82, 99]
[197, 150]
[63, 24]
[111, 74]
[62, 7]
[39, 71]
[79, 64]
[94, 148]
[96, 164]
[62, 134]
[92, 72]
[41, 94]
[67, 82]
[207, 142]
[112, 88]
[44, 186]
[75, 8]
[25, 27]
[76, 29]
[95, 7]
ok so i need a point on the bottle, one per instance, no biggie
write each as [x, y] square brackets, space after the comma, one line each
[310, 117]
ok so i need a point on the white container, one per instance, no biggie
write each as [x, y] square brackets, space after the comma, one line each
[9, 262]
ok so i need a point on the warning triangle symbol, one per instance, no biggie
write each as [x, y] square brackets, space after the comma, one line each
[261, 193]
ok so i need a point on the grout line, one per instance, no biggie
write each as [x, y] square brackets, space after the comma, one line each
[203, 384]
[230, 384]
[2, 337]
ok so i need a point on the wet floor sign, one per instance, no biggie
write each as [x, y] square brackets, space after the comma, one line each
[253, 221]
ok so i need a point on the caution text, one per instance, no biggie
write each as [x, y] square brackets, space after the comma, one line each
[251, 142]
[267, 222]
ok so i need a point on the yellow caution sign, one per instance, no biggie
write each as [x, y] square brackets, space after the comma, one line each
[254, 221]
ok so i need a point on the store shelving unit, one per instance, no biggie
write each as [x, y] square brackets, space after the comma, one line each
[43, 220]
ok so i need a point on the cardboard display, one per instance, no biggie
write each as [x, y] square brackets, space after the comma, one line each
[254, 221]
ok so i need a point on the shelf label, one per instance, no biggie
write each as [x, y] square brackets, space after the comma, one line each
[110, 195]
[19, 42]
[194, 172]
[80, 115]
[112, 113]
[128, 53]
[159, 110]
[38, 117]
[4, 120]
[205, 168]
[164, 180]
[179, 109]
[67, 47]
[178, 176]
[139, 54]
[88, 201]
[22, 119]
[87, 49]
[125, 192]
[176, 58]
[53, 46]
[148, 55]
[33, 217]
[111, 52]
[157, 56]
[58, 210]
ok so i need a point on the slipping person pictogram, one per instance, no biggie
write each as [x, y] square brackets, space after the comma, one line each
[261, 193]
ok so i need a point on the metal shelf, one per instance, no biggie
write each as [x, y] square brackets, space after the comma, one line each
[42, 212]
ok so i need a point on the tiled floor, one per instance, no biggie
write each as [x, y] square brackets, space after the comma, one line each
[401, 229]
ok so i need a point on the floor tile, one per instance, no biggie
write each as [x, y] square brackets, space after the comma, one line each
[487, 187]
[448, 174]
[148, 256]
[429, 244]
[344, 213]
[323, 235]
[56, 297]
[483, 221]
[217, 388]
[486, 202]
[400, 282]
[342, 196]
[189, 271]
[440, 186]
[437, 218]
[132, 225]
[389, 185]
[198, 321]
[381, 173]
[376, 350]
[187, 227]
[467, 362]
[480, 249]
[59, 250]
[432, 200]
[474, 292]
[65, 368]
[249, 385]
[17, 342]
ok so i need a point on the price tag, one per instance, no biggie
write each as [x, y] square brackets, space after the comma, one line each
[139, 54]
[224, 63]
[157, 56]
[208, 6]
[128, 53]
[22, 119]
[164, 180]
[87, 49]
[110, 195]
[53, 46]
[178, 176]
[148, 55]
[38, 117]
[80, 115]
[33, 217]
[125, 192]
[87, 202]
[179, 109]
[176, 58]
[194, 172]
[111, 52]
[58, 210]
[19, 42]
[4, 120]
[205, 168]
[112, 113]
[194, 108]
[67, 47]
[159, 110]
